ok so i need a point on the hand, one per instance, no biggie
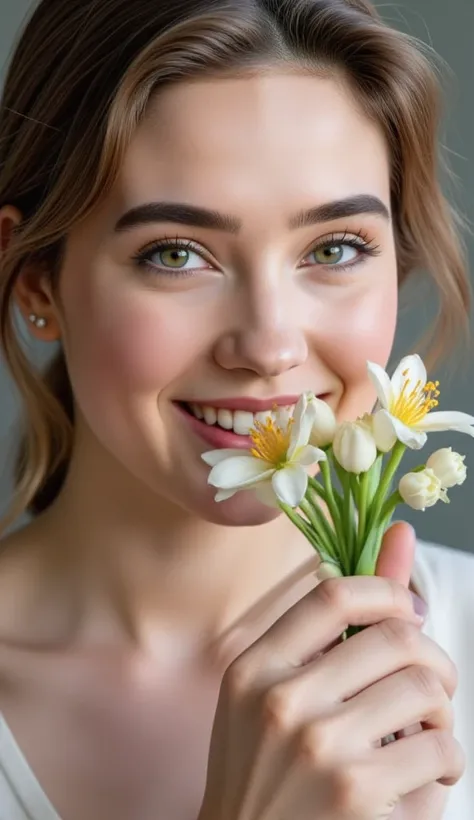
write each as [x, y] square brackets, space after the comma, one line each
[396, 561]
[300, 715]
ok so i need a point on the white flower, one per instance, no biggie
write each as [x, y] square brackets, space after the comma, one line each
[421, 490]
[407, 400]
[275, 466]
[325, 424]
[449, 467]
[354, 446]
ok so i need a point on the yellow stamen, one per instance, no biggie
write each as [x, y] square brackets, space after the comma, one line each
[412, 406]
[271, 442]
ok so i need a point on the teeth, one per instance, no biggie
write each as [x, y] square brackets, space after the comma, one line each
[243, 422]
[197, 411]
[210, 415]
[225, 419]
[262, 417]
[239, 421]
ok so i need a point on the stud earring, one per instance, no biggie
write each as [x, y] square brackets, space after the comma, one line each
[38, 321]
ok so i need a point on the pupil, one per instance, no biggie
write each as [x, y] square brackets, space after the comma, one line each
[176, 257]
[333, 253]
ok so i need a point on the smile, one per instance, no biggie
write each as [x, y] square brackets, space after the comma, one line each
[239, 422]
[226, 423]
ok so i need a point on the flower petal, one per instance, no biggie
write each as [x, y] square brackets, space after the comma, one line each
[213, 457]
[309, 455]
[290, 484]
[383, 431]
[224, 495]
[282, 416]
[304, 418]
[266, 494]
[416, 373]
[447, 420]
[381, 382]
[414, 439]
[239, 471]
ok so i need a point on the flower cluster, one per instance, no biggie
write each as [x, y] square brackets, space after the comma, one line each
[345, 510]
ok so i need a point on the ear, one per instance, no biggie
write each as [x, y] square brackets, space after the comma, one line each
[32, 289]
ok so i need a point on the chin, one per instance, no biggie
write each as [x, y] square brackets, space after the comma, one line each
[243, 510]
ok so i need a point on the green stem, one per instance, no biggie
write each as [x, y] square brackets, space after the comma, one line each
[334, 508]
[321, 527]
[385, 482]
[318, 489]
[331, 501]
[391, 505]
[349, 521]
[355, 487]
[374, 481]
[302, 525]
[362, 507]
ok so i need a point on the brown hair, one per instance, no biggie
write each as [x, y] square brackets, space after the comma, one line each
[79, 83]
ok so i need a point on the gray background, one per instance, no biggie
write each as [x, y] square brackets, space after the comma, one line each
[449, 29]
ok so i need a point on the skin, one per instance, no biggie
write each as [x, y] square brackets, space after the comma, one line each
[132, 593]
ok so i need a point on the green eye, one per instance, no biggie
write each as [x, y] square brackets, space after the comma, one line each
[329, 255]
[174, 257]
[337, 254]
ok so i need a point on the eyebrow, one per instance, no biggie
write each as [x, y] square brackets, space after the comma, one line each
[198, 217]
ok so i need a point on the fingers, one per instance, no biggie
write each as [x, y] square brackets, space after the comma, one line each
[414, 694]
[352, 666]
[377, 652]
[320, 618]
[397, 553]
[434, 756]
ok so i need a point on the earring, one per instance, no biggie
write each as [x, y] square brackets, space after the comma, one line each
[39, 321]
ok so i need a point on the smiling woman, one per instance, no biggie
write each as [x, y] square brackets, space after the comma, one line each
[211, 205]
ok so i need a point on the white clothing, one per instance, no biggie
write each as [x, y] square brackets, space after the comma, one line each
[445, 578]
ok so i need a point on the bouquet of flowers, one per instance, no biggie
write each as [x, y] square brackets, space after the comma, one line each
[344, 505]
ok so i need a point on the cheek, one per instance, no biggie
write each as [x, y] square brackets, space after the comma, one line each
[132, 344]
[361, 330]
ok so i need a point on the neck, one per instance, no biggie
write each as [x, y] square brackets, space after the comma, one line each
[141, 568]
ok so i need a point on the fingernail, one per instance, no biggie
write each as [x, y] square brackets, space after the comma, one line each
[420, 607]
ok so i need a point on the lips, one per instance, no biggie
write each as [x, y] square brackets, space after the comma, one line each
[226, 423]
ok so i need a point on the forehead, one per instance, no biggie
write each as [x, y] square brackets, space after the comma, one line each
[271, 140]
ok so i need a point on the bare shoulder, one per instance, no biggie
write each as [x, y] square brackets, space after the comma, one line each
[25, 612]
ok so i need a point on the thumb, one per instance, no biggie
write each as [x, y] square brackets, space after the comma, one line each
[398, 553]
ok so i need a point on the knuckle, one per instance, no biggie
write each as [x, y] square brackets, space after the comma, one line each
[426, 681]
[335, 593]
[400, 635]
[445, 747]
[237, 679]
[401, 598]
[315, 743]
[350, 795]
[278, 708]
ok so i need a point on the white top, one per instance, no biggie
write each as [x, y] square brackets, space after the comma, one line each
[445, 578]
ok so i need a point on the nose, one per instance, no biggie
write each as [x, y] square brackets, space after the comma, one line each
[266, 335]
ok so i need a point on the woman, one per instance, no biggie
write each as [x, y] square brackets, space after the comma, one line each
[284, 155]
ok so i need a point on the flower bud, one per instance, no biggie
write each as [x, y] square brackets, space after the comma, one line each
[324, 426]
[327, 570]
[354, 447]
[449, 467]
[422, 490]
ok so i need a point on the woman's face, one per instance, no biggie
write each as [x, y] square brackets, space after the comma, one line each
[246, 254]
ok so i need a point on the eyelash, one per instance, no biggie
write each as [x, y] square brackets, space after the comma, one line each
[357, 240]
